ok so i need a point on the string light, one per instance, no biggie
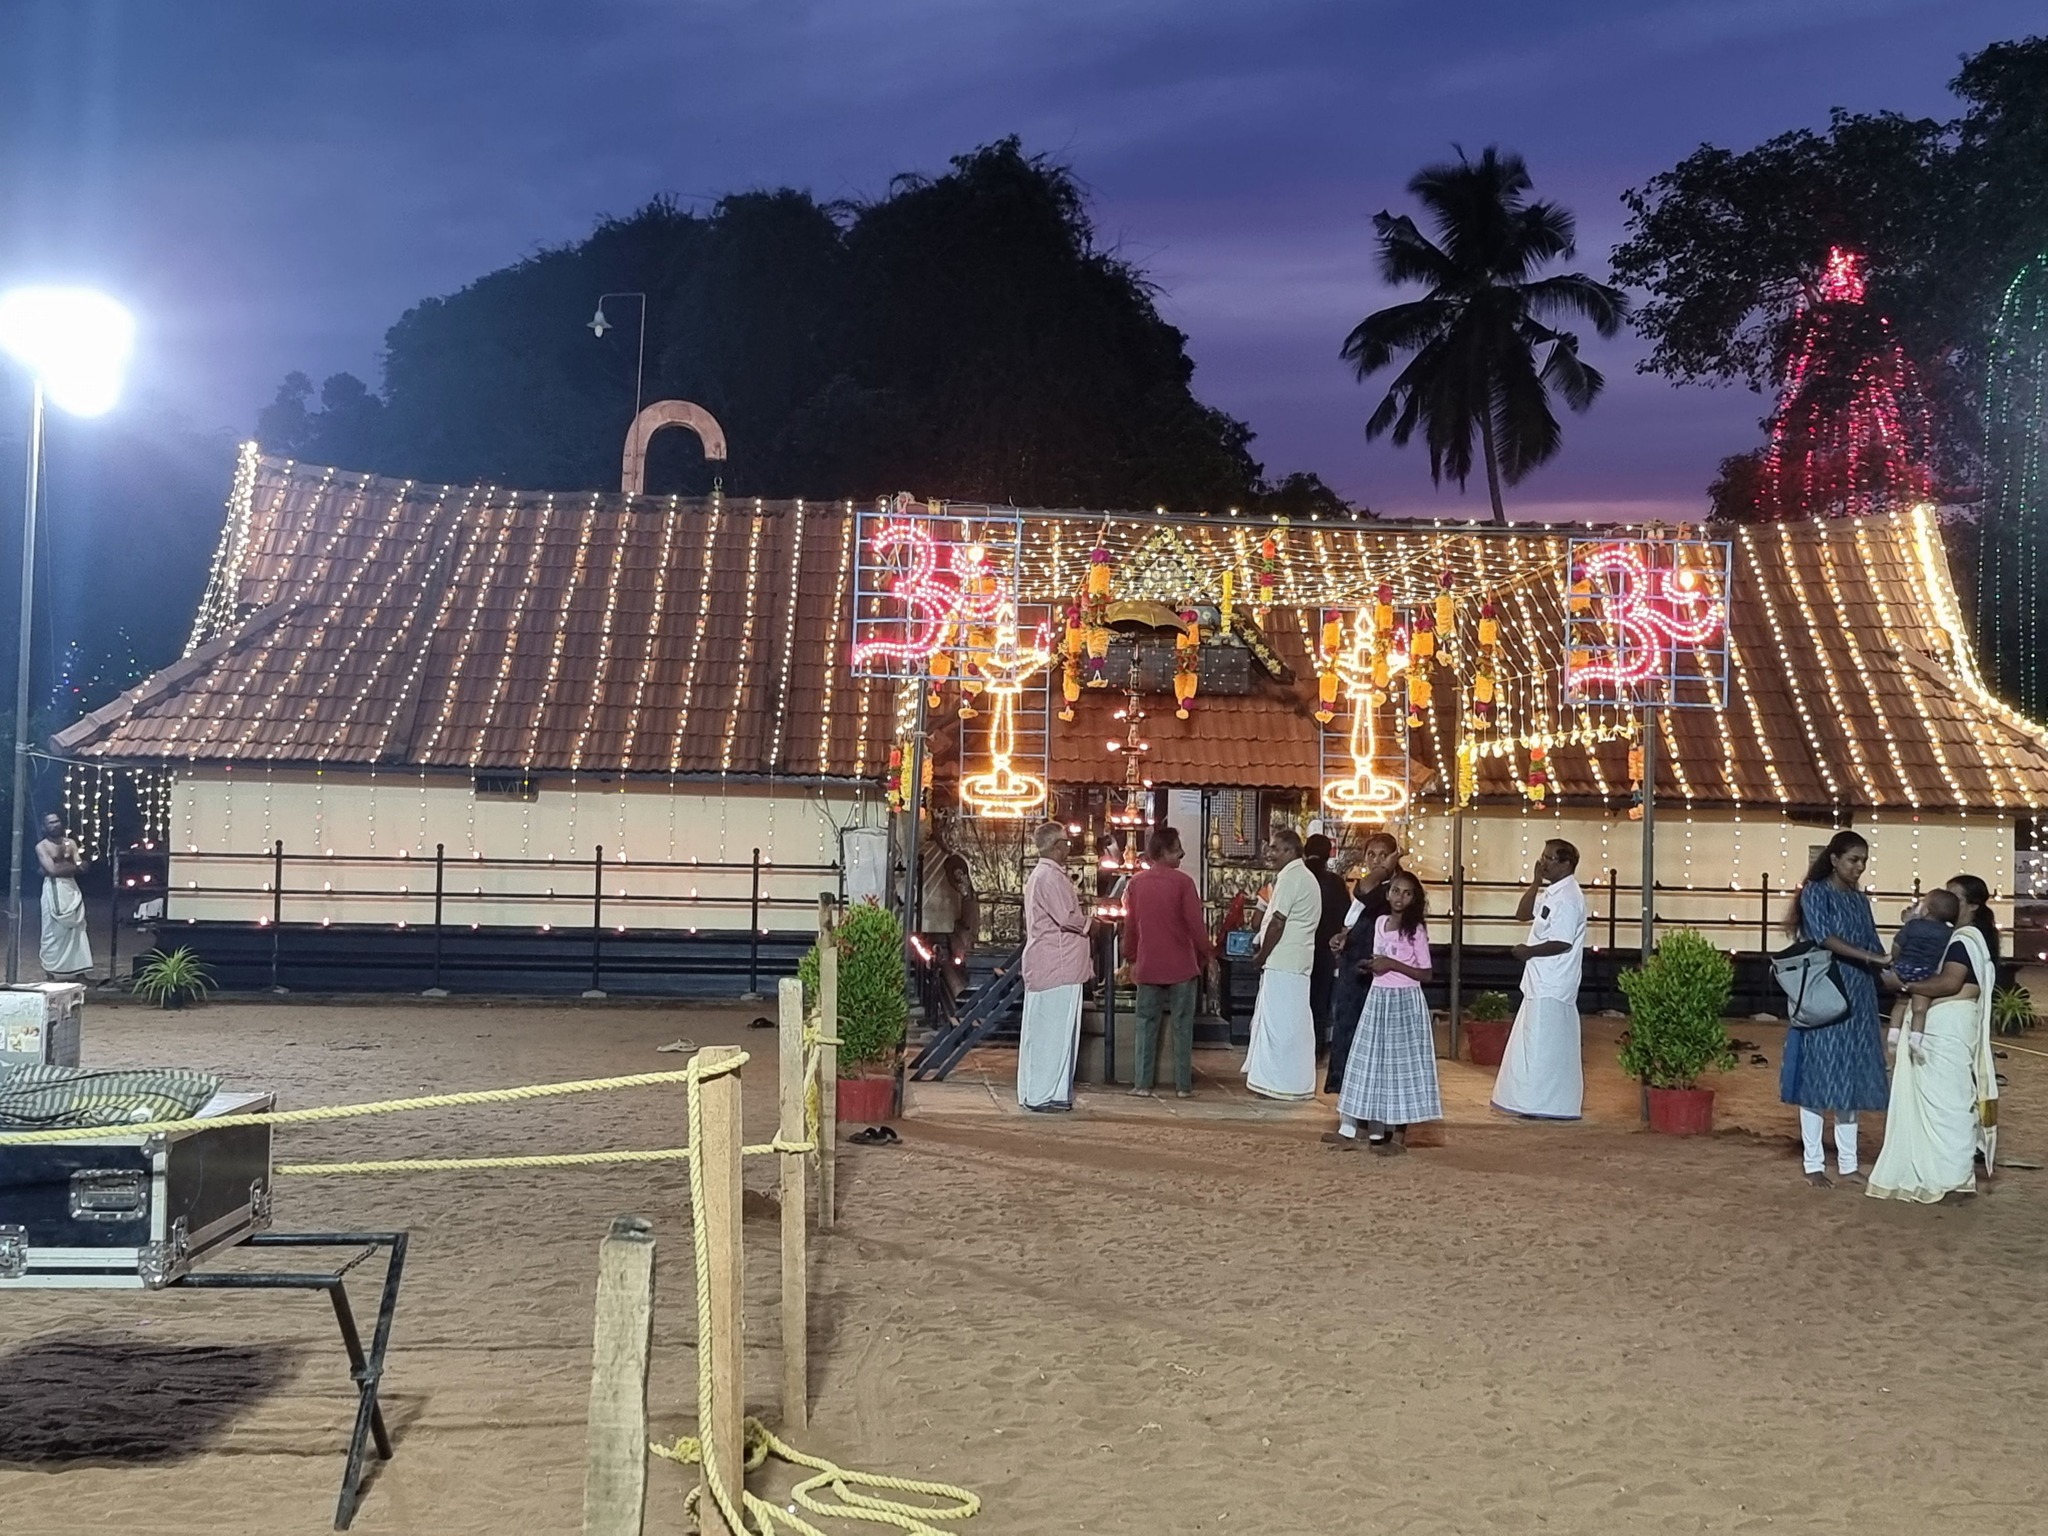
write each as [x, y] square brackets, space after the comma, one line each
[2011, 546]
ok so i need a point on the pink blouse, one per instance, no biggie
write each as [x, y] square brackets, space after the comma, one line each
[1388, 940]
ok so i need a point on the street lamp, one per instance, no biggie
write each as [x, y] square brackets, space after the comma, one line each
[598, 325]
[74, 344]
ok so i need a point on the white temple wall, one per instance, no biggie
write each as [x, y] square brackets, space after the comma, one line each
[1712, 865]
[675, 856]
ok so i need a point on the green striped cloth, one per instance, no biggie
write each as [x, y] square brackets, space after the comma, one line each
[54, 1098]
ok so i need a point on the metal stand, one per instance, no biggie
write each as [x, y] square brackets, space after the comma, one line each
[365, 1369]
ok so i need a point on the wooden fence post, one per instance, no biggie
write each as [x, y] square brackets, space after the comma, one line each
[796, 1326]
[828, 1059]
[615, 1476]
[723, 1431]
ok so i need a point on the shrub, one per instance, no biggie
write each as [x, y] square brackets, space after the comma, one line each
[2012, 1011]
[874, 998]
[1675, 1007]
[169, 980]
[1488, 1007]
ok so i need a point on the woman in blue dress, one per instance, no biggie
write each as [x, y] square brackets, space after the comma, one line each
[1837, 1069]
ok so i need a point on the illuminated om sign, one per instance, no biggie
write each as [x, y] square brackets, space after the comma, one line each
[1650, 611]
[929, 603]
[933, 603]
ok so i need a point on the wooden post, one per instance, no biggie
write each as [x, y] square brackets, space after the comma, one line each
[828, 1059]
[615, 1477]
[718, 1154]
[796, 1322]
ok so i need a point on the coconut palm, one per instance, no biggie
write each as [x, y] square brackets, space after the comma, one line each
[1483, 359]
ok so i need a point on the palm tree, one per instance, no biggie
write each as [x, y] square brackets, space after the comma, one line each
[1483, 356]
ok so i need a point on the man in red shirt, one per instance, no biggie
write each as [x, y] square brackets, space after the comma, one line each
[1168, 945]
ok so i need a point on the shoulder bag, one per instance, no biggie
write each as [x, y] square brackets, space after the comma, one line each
[1813, 989]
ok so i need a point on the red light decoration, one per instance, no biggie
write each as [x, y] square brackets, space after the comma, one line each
[1852, 434]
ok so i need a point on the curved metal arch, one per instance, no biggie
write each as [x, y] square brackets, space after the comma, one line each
[666, 413]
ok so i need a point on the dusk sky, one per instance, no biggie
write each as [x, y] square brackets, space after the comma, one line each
[270, 185]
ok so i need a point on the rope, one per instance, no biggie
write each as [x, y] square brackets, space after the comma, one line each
[763, 1443]
[462, 1164]
[688, 1074]
[760, 1443]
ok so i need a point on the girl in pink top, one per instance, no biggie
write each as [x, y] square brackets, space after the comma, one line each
[1390, 1079]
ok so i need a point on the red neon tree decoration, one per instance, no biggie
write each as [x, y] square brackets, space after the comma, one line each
[1852, 434]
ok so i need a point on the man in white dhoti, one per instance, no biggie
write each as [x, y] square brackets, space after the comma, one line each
[1540, 1075]
[66, 953]
[1057, 964]
[1281, 1063]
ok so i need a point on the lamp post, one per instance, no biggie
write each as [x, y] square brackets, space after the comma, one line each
[74, 345]
[599, 325]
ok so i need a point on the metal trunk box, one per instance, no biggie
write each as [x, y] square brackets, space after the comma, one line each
[124, 1211]
[39, 1024]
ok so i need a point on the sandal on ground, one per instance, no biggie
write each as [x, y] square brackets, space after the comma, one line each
[679, 1047]
[762, 1021]
[876, 1136]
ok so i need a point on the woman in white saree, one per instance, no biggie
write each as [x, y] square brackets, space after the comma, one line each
[1944, 1097]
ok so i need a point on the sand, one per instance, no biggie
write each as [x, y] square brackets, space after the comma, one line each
[1141, 1318]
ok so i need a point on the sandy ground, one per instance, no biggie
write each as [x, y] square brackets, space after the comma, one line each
[1140, 1318]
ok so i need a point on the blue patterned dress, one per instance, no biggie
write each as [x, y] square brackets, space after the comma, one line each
[1838, 1067]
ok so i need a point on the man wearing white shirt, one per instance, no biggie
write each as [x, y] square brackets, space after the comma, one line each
[1281, 1063]
[1540, 1075]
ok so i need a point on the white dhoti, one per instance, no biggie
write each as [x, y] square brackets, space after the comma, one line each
[1540, 1075]
[1281, 1063]
[1047, 1047]
[65, 948]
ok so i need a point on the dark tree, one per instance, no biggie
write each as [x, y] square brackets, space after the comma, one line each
[1482, 357]
[962, 336]
[1944, 214]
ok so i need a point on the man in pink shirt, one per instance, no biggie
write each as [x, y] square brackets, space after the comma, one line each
[1057, 964]
[1167, 944]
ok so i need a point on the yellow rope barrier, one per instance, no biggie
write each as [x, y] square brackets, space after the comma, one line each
[768, 1517]
[761, 1443]
[380, 1107]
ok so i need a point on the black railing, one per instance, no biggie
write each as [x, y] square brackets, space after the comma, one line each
[570, 892]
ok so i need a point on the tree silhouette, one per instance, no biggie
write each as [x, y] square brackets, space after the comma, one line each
[1483, 360]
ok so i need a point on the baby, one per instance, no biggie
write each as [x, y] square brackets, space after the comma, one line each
[1917, 953]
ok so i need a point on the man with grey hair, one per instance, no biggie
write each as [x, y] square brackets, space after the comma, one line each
[1281, 1063]
[1057, 964]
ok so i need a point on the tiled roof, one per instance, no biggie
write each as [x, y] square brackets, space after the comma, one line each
[355, 620]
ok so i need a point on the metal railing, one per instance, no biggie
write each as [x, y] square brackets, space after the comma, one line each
[275, 878]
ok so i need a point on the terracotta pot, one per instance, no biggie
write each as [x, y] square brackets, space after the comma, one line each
[866, 1100]
[1488, 1040]
[1682, 1111]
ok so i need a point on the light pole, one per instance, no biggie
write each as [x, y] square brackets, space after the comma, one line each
[599, 325]
[74, 345]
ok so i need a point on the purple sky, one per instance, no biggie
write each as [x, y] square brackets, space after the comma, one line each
[271, 185]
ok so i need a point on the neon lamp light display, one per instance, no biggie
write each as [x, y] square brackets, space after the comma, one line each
[1363, 795]
[1004, 792]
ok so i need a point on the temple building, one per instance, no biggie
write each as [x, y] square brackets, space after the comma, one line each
[407, 705]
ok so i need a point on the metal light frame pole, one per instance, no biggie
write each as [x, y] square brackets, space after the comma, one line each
[21, 679]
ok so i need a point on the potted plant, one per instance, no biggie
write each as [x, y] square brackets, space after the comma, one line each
[1486, 1027]
[1676, 1004]
[2012, 1011]
[172, 980]
[874, 1008]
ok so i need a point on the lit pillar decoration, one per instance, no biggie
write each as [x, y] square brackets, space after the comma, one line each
[1004, 793]
[1187, 661]
[1327, 653]
[2013, 547]
[1073, 654]
[1096, 614]
[1485, 672]
[1267, 578]
[1363, 795]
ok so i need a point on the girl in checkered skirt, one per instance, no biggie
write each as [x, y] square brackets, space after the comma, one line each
[1390, 1080]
